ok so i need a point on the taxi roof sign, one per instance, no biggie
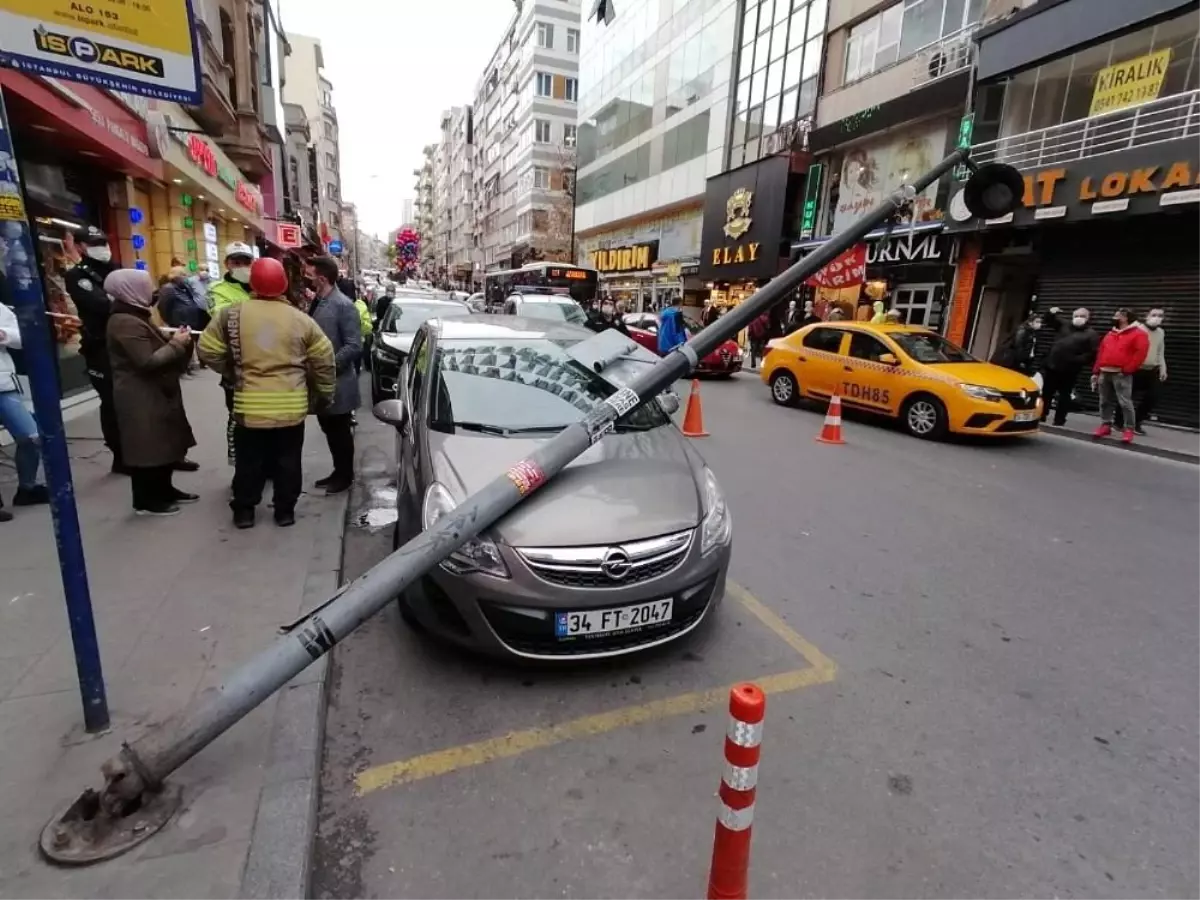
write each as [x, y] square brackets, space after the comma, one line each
[147, 47]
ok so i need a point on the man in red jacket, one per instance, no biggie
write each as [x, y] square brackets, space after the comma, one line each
[1121, 353]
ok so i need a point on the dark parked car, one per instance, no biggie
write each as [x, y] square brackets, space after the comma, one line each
[397, 329]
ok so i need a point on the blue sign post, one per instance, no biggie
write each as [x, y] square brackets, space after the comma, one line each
[335, 247]
[25, 286]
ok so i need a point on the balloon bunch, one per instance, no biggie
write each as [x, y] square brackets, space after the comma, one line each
[408, 251]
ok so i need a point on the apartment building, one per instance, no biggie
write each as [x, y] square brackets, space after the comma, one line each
[423, 209]
[299, 197]
[452, 197]
[524, 118]
[308, 86]
[1097, 102]
[653, 124]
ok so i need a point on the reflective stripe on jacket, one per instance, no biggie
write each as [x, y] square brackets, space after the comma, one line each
[277, 358]
[364, 316]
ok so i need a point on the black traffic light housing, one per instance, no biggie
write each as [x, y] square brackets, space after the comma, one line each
[993, 190]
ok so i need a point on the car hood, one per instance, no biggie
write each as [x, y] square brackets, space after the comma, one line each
[985, 374]
[400, 341]
[632, 485]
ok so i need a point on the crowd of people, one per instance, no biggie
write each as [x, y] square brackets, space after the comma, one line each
[1127, 365]
[284, 337]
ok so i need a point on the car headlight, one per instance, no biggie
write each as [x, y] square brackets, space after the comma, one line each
[717, 524]
[980, 392]
[477, 555]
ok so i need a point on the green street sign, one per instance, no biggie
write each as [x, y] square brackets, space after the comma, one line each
[189, 222]
[186, 200]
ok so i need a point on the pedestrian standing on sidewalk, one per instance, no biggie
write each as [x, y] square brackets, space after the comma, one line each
[334, 312]
[1073, 351]
[230, 291]
[1017, 351]
[85, 285]
[282, 367]
[759, 330]
[671, 331]
[1151, 373]
[146, 367]
[1121, 353]
[15, 418]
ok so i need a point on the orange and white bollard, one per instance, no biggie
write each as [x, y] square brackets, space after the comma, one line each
[730, 873]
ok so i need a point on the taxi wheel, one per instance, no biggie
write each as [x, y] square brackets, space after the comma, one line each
[924, 416]
[784, 389]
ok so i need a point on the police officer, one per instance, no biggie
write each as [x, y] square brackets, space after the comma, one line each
[85, 284]
[231, 290]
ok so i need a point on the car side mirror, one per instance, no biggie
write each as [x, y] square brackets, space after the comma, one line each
[889, 359]
[669, 402]
[391, 411]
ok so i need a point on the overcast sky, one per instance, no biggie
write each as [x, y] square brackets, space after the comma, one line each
[395, 65]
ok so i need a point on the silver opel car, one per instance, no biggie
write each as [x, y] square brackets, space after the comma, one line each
[626, 549]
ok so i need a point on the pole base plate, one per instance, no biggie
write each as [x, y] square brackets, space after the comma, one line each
[83, 833]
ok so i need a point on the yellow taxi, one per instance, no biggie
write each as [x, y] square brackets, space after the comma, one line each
[911, 374]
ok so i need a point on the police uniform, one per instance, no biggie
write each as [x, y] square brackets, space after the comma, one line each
[85, 284]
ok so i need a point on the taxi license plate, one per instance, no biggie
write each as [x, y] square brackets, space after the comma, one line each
[592, 622]
[1024, 416]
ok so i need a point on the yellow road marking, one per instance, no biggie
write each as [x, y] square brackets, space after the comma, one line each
[820, 670]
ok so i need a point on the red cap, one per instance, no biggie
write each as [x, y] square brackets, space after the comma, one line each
[268, 278]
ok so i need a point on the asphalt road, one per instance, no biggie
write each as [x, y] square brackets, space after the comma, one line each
[1013, 711]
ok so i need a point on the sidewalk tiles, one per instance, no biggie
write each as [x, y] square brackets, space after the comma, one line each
[179, 603]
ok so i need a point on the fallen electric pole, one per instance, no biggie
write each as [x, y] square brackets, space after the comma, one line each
[134, 802]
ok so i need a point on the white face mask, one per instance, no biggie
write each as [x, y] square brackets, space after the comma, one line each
[1153, 321]
[241, 274]
[1036, 326]
[100, 253]
[1079, 321]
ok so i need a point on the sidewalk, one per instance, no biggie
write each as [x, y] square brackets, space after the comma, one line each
[178, 602]
[1168, 443]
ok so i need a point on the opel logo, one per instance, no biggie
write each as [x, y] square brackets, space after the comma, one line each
[615, 564]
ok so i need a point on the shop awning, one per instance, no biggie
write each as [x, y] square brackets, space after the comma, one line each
[894, 232]
[79, 121]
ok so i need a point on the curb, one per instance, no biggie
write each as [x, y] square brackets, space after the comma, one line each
[279, 860]
[1145, 449]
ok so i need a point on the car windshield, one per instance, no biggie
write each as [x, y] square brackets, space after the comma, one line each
[555, 310]
[408, 315]
[520, 386]
[927, 347]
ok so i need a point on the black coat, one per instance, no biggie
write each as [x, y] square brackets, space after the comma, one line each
[85, 284]
[1017, 351]
[177, 305]
[1072, 351]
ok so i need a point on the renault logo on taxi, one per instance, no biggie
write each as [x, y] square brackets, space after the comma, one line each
[93, 52]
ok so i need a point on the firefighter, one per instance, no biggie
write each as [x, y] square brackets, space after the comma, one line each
[280, 366]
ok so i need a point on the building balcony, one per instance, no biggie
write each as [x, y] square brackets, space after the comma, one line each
[1156, 122]
[215, 114]
[247, 146]
[952, 55]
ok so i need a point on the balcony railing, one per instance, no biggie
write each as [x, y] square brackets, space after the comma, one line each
[953, 53]
[1155, 122]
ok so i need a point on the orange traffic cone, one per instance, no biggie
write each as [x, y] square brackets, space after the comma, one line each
[693, 418]
[831, 432]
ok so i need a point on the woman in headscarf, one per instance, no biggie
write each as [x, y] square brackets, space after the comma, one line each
[146, 366]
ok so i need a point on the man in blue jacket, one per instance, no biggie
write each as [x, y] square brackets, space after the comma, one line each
[671, 332]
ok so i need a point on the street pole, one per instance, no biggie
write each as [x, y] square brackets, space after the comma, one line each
[144, 765]
[25, 285]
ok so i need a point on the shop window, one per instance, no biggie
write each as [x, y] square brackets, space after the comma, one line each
[827, 340]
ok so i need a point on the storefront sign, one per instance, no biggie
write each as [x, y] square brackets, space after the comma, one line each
[743, 222]
[872, 171]
[637, 258]
[812, 198]
[1140, 180]
[141, 46]
[846, 270]
[166, 132]
[1130, 83]
[287, 235]
[921, 248]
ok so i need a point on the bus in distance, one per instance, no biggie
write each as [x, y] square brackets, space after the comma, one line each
[577, 282]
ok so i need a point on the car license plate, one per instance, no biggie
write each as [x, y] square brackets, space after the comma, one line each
[1024, 416]
[593, 622]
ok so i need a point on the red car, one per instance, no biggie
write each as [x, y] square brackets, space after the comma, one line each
[725, 360]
